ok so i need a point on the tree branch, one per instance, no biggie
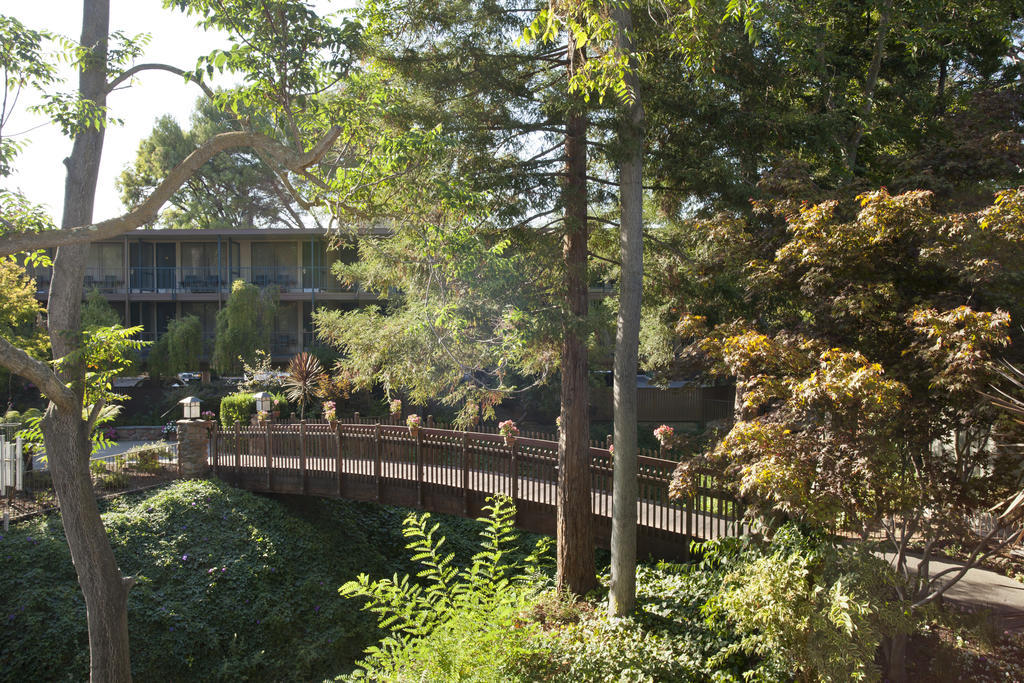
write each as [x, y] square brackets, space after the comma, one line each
[20, 363]
[128, 73]
[149, 209]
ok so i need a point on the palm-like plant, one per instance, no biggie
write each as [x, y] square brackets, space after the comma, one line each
[1010, 398]
[304, 375]
[1013, 403]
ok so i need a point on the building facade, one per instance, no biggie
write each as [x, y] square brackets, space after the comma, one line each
[154, 276]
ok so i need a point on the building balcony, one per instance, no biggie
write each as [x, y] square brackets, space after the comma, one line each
[188, 280]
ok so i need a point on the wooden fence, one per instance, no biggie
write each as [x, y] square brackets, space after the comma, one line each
[453, 472]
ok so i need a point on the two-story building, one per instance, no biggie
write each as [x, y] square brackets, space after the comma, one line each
[154, 276]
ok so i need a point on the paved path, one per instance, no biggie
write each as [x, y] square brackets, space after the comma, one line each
[983, 588]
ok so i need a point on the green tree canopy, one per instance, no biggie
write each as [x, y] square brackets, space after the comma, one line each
[243, 326]
[179, 348]
[97, 311]
[230, 191]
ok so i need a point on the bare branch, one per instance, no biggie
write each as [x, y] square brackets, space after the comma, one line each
[148, 210]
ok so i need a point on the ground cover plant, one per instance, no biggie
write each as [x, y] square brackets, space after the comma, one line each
[229, 586]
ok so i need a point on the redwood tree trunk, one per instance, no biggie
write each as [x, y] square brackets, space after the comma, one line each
[65, 432]
[622, 595]
[576, 572]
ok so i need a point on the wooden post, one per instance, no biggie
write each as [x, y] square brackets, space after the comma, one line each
[238, 453]
[465, 474]
[419, 467]
[430, 421]
[355, 418]
[378, 454]
[266, 438]
[302, 454]
[213, 453]
[689, 522]
[340, 458]
[514, 467]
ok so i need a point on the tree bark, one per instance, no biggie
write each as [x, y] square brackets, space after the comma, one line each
[575, 567]
[896, 658]
[870, 84]
[625, 490]
[65, 432]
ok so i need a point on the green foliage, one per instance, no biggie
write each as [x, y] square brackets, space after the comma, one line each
[243, 326]
[24, 64]
[807, 605]
[219, 593]
[228, 192]
[179, 348]
[115, 480]
[146, 458]
[241, 406]
[21, 312]
[859, 365]
[430, 619]
[261, 375]
[97, 311]
[97, 467]
[237, 408]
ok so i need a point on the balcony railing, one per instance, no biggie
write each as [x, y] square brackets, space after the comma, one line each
[107, 281]
[210, 280]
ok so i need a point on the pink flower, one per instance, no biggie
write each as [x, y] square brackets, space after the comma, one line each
[664, 435]
[508, 428]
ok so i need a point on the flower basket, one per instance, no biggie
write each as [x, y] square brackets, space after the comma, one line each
[334, 425]
[509, 430]
[414, 422]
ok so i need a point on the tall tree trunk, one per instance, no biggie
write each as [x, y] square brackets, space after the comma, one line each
[576, 572]
[65, 432]
[870, 85]
[622, 595]
[896, 656]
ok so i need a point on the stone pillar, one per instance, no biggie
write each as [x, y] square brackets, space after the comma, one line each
[194, 447]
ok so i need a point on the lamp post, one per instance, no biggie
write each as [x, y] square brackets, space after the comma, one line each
[190, 407]
[193, 440]
[264, 401]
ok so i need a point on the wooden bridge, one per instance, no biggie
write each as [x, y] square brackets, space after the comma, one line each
[453, 472]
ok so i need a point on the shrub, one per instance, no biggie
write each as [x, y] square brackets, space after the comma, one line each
[238, 407]
[807, 605]
[453, 624]
[241, 406]
[97, 467]
[147, 458]
[113, 481]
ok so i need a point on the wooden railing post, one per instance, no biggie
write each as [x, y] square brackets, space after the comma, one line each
[340, 458]
[266, 439]
[430, 421]
[213, 452]
[514, 467]
[419, 467]
[302, 454]
[465, 474]
[378, 454]
[238, 453]
[355, 418]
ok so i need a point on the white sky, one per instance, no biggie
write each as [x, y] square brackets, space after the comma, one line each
[175, 40]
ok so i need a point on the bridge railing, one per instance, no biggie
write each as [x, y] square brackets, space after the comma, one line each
[453, 471]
